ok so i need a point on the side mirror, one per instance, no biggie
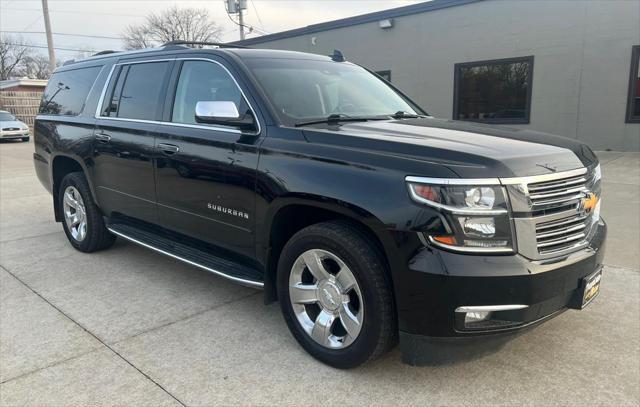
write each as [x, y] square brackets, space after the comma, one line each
[223, 113]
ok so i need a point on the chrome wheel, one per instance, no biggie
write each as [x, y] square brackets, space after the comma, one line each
[75, 215]
[326, 299]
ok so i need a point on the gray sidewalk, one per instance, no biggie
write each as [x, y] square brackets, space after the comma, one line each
[130, 327]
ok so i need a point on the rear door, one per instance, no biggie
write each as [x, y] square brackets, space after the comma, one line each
[125, 138]
[206, 174]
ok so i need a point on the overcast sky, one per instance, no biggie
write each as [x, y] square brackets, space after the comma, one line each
[110, 17]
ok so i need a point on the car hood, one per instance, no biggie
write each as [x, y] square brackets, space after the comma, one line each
[11, 123]
[471, 150]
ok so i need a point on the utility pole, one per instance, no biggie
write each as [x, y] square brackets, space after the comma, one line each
[237, 7]
[47, 27]
[241, 21]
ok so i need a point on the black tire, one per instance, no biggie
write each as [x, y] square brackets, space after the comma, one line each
[25, 139]
[97, 235]
[379, 328]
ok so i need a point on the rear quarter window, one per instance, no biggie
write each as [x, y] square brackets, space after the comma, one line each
[67, 91]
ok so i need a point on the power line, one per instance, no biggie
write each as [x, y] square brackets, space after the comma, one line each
[250, 27]
[74, 12]
[44, 46]
[257, 14]
[67, 34]
[33, 22]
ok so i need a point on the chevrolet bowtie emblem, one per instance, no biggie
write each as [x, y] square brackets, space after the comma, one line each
[589, 202]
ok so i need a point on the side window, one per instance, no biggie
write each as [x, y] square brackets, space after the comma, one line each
[67, 91]
[140, 94]
[110, 106]
[203, 81]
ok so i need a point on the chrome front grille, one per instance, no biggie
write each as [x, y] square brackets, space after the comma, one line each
[560, 235]
[557, 196]
[549, 216]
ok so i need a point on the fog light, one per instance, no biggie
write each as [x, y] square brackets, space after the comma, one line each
[489, 317]
[476, 316]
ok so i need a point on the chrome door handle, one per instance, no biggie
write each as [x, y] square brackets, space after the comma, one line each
[105, 138]
[168, 148]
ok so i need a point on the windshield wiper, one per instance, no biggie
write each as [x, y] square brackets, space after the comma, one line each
[338, 118]
[404, 115]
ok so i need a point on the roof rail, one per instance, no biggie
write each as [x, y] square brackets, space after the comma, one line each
[107, 51]
[217, 44]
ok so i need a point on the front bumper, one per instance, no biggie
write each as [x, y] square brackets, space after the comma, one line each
[11, 135]
[439, 282]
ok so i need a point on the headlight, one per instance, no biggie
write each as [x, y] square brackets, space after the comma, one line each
[476, 217]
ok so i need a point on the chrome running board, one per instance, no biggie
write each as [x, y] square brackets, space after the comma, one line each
[237, 273]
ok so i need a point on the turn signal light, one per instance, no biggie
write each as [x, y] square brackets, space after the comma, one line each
[449, 240]
[427, 192]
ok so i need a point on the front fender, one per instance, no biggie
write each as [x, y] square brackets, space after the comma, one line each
[343, 208]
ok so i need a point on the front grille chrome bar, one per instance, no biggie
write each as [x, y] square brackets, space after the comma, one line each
[559, 232]
[557, 193]
[551, 185]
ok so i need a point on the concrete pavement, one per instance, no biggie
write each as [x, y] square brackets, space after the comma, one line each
[131, 327]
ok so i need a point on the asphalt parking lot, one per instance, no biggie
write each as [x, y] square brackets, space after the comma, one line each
[131, 327]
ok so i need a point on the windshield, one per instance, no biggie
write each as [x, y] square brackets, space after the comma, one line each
[6, 117]
[303, 90]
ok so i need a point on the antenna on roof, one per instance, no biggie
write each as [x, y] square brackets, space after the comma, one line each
[217, 44]
[337, 56]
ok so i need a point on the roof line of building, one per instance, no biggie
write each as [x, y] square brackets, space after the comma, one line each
[10, 83]
[356, 20]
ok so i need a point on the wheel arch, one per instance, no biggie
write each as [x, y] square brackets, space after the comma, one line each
[61, 165]
[289, 215]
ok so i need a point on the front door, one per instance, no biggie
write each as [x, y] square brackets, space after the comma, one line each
[125, 139]
[206, 174]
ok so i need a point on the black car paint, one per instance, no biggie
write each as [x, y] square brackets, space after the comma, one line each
[355, 170]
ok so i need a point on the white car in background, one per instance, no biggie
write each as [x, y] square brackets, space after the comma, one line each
[12, 128]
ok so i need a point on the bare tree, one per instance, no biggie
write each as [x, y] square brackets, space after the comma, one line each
[189, 24]
[13, 52]
[36, 67]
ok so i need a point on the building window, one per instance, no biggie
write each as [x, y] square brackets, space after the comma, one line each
[386, 75]
[497, 91]
[633, 102]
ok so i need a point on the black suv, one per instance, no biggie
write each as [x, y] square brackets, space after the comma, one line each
[312, 178]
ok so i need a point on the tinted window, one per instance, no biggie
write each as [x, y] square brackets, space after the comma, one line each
[110, 105]
[303, 90]
[633, 104]
[141, 91]
[67, 91]
[202, 81]
[495, 91]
